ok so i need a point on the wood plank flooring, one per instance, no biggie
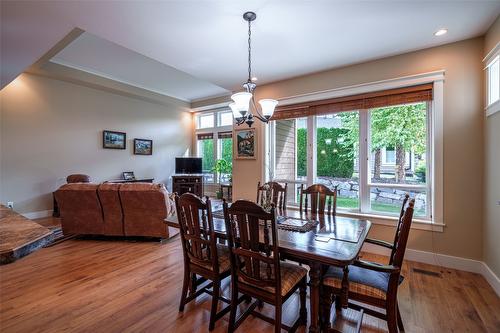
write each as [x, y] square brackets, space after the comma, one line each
[85, 285]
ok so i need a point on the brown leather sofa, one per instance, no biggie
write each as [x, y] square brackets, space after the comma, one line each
[135, 209]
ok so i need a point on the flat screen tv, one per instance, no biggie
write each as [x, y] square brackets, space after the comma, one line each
[188, 165]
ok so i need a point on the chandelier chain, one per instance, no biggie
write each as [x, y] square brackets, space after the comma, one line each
[249, 52]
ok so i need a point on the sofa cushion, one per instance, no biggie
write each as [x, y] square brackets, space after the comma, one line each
[112, 209]
[145, 207]
[81, 211]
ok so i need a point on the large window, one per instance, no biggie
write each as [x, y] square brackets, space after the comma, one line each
[493, 84]
[215, 145]
[289, 153]
[374, 156]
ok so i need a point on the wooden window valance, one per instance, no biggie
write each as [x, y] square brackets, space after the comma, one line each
[205, 136]
[225, 135]
[406, 95]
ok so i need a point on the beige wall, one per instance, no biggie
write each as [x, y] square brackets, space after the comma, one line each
[463, 137]
[50, 129]
[492, 36]
[491, 249]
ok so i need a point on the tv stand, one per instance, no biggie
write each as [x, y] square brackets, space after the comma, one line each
[188, 183]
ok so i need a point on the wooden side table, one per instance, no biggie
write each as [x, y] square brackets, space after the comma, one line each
[229, 188]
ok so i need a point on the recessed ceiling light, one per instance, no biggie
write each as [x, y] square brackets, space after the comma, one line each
[254, 78]
[441, 32]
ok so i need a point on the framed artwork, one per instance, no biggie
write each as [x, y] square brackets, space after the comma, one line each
[245, 145]
[128, 175]
[143, 147]
[114, 140]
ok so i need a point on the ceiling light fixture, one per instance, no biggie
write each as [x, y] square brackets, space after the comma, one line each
[241, 106]
[441, 32]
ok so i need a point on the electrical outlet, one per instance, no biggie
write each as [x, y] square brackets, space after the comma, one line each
[10, 205]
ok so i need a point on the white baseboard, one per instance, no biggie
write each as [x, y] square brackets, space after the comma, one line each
[37, 215]
[463, 264]
[491, 277]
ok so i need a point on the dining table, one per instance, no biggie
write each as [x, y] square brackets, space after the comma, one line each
[331, 241]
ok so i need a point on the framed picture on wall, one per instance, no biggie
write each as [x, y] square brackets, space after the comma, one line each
[143, 147]
[245, 144]
[114, 140]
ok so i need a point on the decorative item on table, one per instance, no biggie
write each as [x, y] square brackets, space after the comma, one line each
[114, 140]
[143, 147]
[246, 144]
[128, 175]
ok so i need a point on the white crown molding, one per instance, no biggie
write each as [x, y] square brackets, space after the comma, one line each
[443, 260]
[362, 88]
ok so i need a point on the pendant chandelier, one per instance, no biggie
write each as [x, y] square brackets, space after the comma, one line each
[244, 101]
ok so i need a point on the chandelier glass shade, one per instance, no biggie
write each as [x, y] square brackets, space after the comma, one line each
[244, 107]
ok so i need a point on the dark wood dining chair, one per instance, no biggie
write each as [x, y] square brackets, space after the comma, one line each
[278, 194]
[319, 197]
[202, 255]
[256, 268]
[373, 284]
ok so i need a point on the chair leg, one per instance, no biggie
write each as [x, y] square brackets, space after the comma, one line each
[391, 310]
[338, 303]
[400, 320]
[185, 286]
[193, 285]
[234, 307]
[277, 318]
[215, 303]
[303, 299]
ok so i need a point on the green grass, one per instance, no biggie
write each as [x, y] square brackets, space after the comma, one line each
[353, 203]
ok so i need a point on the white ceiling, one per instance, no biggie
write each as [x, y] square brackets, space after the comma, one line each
[98, 56]
[207, 39]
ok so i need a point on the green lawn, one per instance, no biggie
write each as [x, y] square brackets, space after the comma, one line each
[353, 203]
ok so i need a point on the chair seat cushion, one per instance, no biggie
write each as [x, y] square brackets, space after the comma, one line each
[291, 274]
[223, 258]
[361, 281]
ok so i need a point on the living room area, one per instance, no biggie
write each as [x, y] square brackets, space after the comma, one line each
[361, 152]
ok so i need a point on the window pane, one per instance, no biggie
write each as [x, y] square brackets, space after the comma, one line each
[337, 140]
[206, 120]
[290, 144]
[225, 118]
[398, 137]
[206, 152]
[494, 81]
[389, 200]
[226, 153]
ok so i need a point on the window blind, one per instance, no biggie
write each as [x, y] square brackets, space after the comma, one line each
[205, 136]
[406, 95]
[225, 135]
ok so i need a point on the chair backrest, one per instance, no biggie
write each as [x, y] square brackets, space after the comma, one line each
[78, 178]
[320, 197]
[402, 232]
[253, 243]
[199, 243]
[275, 190]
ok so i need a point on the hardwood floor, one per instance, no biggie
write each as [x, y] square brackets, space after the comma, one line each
[84, 285]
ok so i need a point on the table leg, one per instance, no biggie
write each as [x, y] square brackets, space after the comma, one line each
[314, 281]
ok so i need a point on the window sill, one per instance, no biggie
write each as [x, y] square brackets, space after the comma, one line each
[418, 224]
[493, 108]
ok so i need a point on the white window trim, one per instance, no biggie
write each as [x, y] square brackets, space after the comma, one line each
[435, 137]
[493, 108]
[215, 130]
